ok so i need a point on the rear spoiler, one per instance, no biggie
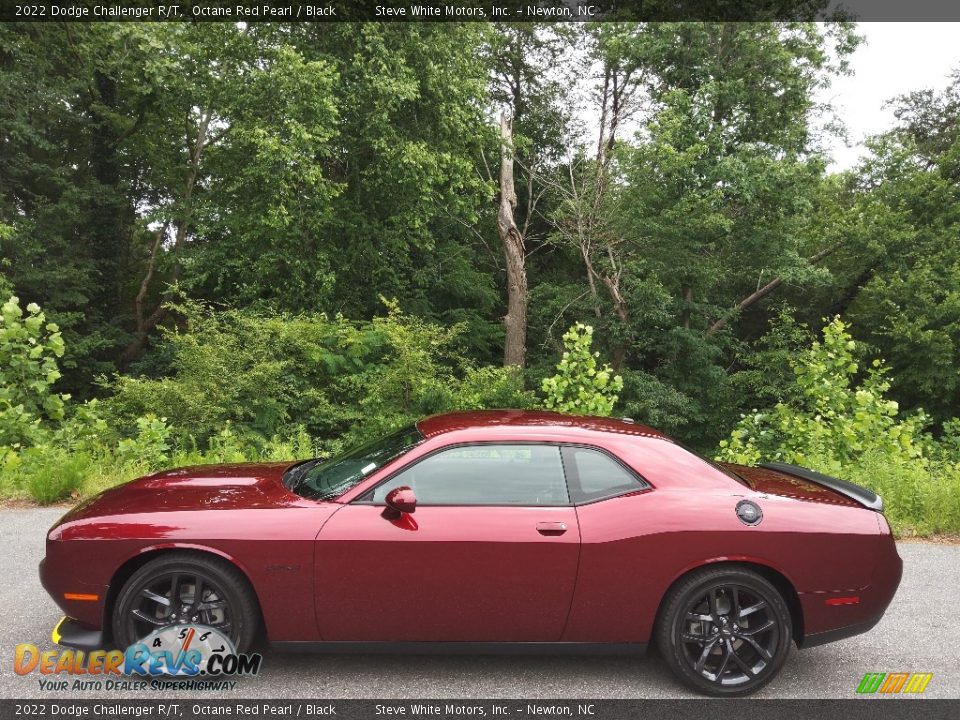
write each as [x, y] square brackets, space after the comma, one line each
[862, 495]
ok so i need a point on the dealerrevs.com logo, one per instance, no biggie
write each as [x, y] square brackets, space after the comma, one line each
[184, 652]
[894, 683]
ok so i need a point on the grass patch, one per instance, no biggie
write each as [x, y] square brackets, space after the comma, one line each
[920, 497]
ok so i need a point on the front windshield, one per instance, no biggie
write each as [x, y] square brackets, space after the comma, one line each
[332, 478]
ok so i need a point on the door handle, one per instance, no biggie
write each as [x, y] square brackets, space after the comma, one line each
[551, 528]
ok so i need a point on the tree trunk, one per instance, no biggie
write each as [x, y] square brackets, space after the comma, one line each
[146, 325]
[687, 302]
[515, 321]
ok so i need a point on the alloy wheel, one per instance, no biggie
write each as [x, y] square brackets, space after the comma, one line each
[729, 635]
[178, 598]
[186, 587]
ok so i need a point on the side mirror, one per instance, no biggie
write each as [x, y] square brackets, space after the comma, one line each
[399, 501]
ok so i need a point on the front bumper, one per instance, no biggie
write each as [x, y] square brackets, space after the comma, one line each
[69, 633]
[79, 600]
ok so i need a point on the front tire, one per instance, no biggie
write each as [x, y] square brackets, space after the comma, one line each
[180, 588]
[724, 631]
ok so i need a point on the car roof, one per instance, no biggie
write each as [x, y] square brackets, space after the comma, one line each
[539, 419]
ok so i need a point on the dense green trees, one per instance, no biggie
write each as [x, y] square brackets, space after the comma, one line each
[671, 191]
[270, 166]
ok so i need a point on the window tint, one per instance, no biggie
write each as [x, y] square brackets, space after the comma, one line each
[484, 475]
[595, 475]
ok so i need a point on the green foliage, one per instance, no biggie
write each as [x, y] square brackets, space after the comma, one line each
[150, 447]
[258, 372]
[838, 419]
[647, 399]
[903, 271]
[921, 497]
[416, 369]
[29, 349]
[765, 375]
[580, 386]
[52, 474]
[267, 375]
[412, 379]
[246, 386]
[832, 420]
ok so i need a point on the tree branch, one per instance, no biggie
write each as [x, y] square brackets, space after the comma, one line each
[763, 292]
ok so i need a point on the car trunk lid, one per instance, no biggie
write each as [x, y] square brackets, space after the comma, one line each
[802, 484]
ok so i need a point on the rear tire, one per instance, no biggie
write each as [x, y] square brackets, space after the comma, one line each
[164, 592]
[724, 631]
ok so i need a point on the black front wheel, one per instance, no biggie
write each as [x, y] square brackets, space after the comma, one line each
[724, 631]
[186, 588]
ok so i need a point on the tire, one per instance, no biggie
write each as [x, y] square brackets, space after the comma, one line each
[143, 604]
[724, 631]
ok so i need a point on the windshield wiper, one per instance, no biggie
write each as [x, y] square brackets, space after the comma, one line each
[339, 489]
[297, 473]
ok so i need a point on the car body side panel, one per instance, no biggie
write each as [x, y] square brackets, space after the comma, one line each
[444, 573]
[634, 548]
[872, 600]
[274, 547]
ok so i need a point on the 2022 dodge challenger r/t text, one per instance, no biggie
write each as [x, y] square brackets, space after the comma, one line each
[487, 531]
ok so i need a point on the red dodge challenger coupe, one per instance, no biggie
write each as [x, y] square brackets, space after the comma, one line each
[500, 531]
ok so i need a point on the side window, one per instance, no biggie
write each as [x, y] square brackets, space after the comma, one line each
[484, 475]
[594, 475]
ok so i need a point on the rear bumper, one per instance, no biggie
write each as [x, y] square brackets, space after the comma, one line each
[822, 638]
[829, 622]
[69, 633]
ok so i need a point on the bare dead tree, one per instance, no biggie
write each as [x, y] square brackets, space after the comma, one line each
[515, 321]
[585, 189]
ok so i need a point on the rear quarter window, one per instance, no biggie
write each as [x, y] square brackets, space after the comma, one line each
[594, 475]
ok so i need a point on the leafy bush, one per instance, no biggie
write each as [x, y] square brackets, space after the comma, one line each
[297, 445]
[29, 348]
[832, 423]
[261, 373]
[420, 371]
[580, 386]
[151, 446]
[648, 399]
[273, 375]
[242, 387]
[830, 419]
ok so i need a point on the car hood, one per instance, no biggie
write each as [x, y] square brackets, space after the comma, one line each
[204, 487]
[772, 481]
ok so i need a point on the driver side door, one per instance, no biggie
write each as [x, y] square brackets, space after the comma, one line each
[489, 555]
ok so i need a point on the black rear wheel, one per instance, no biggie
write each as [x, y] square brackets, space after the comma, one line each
[724, 631]
[186, 588]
